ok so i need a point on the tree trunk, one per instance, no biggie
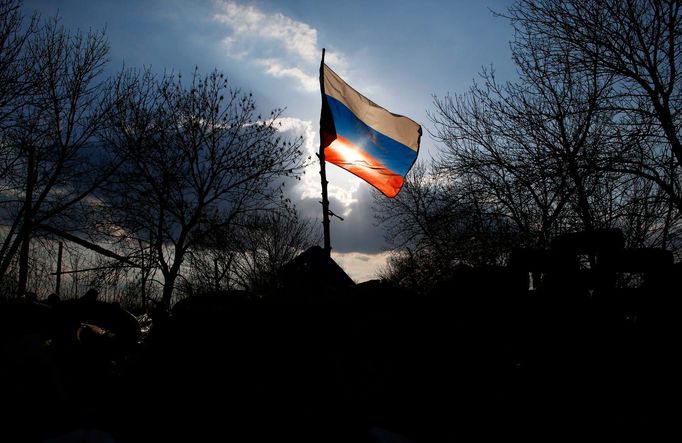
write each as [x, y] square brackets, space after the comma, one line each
[168, 286]
[27, 228]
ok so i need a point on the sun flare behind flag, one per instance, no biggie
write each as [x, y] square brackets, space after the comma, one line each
[365, 139]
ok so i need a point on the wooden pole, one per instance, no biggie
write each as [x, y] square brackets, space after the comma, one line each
[216, 275]
[323, 172]
[26, 231]
[59, 268]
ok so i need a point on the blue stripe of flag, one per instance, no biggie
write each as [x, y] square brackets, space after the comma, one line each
[392, 154]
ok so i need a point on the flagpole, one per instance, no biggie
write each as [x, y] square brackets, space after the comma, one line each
[323, 172]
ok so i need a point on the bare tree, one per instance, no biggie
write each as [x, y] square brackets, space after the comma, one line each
[422, 216]
[250, 253]
[551, 148]
[637, 44]
[266, 242]
[14, 34]
[572, 144]
[56, 160]
[529, 145]
[435, 224]
[13, 86]
[200, 157]
[211, 264]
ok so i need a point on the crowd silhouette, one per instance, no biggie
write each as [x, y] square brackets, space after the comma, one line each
[487, 353]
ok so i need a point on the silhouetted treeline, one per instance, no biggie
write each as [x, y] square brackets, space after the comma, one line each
[143, 169]
[587, 137]
[479, 356]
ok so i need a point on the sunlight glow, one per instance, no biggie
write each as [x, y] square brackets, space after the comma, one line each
[346, 153]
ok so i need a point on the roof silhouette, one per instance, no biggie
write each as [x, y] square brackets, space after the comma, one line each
[314, 268]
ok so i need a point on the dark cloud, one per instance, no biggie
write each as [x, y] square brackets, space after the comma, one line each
[357, 232]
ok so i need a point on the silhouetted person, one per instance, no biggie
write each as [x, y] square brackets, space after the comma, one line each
[31, 297]
[160, 316]
[52, 300]
[90, 296]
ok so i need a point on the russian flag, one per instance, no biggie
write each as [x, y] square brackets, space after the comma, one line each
[365, 139]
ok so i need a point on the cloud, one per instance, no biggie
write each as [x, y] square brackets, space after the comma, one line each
[298, 38]
[361, 267]
[357, 232]
[282, 46]
[274, 68]
[309, 187]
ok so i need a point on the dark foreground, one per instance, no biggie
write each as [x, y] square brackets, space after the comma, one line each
[370, 364]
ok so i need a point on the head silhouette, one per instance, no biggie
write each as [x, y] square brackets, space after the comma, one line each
[90, 296]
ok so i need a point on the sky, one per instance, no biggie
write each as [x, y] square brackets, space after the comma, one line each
[398, 53]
